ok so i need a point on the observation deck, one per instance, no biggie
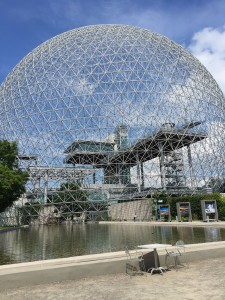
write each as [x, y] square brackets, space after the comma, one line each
[146, 149]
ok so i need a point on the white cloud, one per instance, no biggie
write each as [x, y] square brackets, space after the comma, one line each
[208, 45]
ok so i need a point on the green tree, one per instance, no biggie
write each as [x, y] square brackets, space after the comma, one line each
[195, 202]
[8, 154]
[12, 179]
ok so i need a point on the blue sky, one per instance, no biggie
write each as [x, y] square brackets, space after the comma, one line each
[198, 25]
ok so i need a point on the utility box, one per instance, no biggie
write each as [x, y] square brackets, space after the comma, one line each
[164, 213]
[209, 210]
[184, 212]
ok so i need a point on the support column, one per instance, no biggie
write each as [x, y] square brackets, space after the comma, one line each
[191, 167]
[46, 187]
[37, 184]
[162, 166]
[119, 173]
[94, 178]
[142, 175]
[138, 173]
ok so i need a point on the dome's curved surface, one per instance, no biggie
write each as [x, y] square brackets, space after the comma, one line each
[110, 86]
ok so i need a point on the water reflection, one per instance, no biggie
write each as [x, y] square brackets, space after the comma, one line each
[47, 242]
[186, 234]
[212, 234]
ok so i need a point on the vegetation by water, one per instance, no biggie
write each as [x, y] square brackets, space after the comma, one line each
[8, 227]
[195, 202]
[12, 179]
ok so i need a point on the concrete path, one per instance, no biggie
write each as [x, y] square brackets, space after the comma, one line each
[203, 280]
[219, 224]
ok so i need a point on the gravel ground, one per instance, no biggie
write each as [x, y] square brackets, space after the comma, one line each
[202, 280]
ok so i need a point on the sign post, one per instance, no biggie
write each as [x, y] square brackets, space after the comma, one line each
[164, 212]
[184, 212]
[209, 210]
[156, 201]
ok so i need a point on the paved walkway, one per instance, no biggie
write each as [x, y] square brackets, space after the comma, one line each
[220, 224]
[203, 280]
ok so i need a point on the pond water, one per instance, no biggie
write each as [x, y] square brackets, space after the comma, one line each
[49, 242]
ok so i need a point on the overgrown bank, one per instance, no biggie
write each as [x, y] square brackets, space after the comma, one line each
[195, 202]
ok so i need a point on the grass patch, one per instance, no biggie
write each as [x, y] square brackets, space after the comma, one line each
[4, 227]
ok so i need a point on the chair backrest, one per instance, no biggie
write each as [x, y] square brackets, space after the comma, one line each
[169, 251]
[128, 254]
[180, 243]
[135, 254]
[135, 261]
[180, 246]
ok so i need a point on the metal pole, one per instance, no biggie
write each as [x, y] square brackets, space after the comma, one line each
[190, 167]
[46, 187]
[138, 173]
[162, 166]
[156, 209]
[142, 175]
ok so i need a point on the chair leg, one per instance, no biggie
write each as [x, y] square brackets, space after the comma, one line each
[134, 270]
[176, 262]
[166, 262]
[187, 261]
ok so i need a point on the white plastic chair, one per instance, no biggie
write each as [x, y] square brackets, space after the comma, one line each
[135, 262]
[179, 254]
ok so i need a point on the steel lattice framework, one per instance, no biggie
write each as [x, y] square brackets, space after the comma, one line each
[118, 110]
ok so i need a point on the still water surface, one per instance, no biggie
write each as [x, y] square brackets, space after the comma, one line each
[48, 242]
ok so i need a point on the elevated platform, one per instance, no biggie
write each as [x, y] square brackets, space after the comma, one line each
[144, 150]
[56, 173]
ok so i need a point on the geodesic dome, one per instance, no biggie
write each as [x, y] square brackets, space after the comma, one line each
[116, 107]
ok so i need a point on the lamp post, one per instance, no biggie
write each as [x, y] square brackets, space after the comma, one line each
[156, 201]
